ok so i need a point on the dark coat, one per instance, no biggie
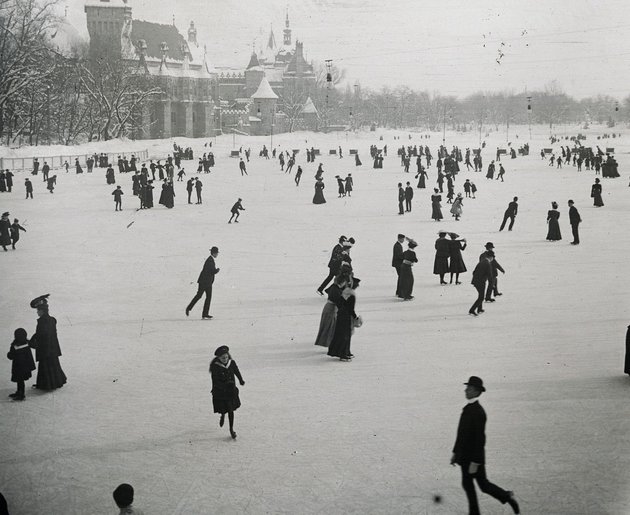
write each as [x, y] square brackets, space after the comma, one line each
[408, 193]
[5, 232]
[442, 253]
[22, 361]
[335, 258]
[457, 265]
[471, 435]
[45, 341]
[206, 277]
[15, 231]
[224, 391]
[574, 216]
[397, 258]
[512, 209]
[483, 272]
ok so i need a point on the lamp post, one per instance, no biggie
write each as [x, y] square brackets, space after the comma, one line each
[529, 116]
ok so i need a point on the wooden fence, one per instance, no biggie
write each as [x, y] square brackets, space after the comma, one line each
[21, 164]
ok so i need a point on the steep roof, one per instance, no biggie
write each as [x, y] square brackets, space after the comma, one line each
[253, 61]
[309, 107]
[264, 90]
[154, 34]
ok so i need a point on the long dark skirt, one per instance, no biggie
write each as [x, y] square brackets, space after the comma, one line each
[440, 265]
[597, 199]
[405, 282]
[50, 375]
[436, 213]
[553, 234]
[224, 402]
[626, 368]
[327, 325]
[340, 343]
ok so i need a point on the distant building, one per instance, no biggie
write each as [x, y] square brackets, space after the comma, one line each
[200, 100]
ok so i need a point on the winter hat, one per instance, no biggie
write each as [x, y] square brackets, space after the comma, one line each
[224, 349]
[20, 334]
[123, 495]
[40, 302]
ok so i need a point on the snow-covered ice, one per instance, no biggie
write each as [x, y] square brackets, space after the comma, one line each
[316, 435]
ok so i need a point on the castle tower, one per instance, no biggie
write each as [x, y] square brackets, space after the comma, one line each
[263, 107]
[254, 73]
[287, 30]
[192, 33]
[107, 20]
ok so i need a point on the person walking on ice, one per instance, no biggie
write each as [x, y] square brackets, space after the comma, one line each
[469, 451]
[235, 211]
[225, 398]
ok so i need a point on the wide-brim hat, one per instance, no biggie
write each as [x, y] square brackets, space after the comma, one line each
[224, 349]
[453, 235]
[40, 302]
[476, 382]
[6, 213]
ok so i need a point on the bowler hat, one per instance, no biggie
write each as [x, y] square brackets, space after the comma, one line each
[476, 382]
[489, 245]
[224, 349]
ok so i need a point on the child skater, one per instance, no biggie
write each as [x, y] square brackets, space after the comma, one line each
[225, 397]
[15, 232]
[23, 364]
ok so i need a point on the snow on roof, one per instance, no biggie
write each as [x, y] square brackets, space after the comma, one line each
[264, 90]
[309, 107]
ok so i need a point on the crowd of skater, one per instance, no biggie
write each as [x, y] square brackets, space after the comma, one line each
[339, 318]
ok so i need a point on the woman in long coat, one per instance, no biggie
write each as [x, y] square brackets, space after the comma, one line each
[50, 375]
[457, 265]
[5, 231]
[318, 198]
[596, 194]
[328, 320]
[357, 161]
[421, 176]
[340, 343]
[626, 367]
[442, 253]
[553, 234]
[406, 280]
[436, 207]
[225, 399]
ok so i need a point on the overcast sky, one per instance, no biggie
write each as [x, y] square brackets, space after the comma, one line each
[451, 46]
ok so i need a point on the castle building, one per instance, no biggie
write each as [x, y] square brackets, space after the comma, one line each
[200, 100]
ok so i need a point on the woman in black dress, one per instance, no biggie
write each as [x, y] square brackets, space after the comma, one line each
[406, 280]
[436, 207]
[553, 234]
[328, 319]
[442, 253]
[421, 176]
[225, 399]
[318, 198]
[457, 265]
[596, 194]
[340, 343]
[50, 375]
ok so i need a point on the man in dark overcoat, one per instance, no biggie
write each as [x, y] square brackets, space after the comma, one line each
[397, 258]
[334, 264]
[469, 450]
[204, 282]
[574, 220]
[481, 274]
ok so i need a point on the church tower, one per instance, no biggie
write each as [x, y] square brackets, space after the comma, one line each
[107, 20]
[287, 31]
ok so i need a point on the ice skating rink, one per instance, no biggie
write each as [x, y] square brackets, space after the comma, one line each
[316, 435]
